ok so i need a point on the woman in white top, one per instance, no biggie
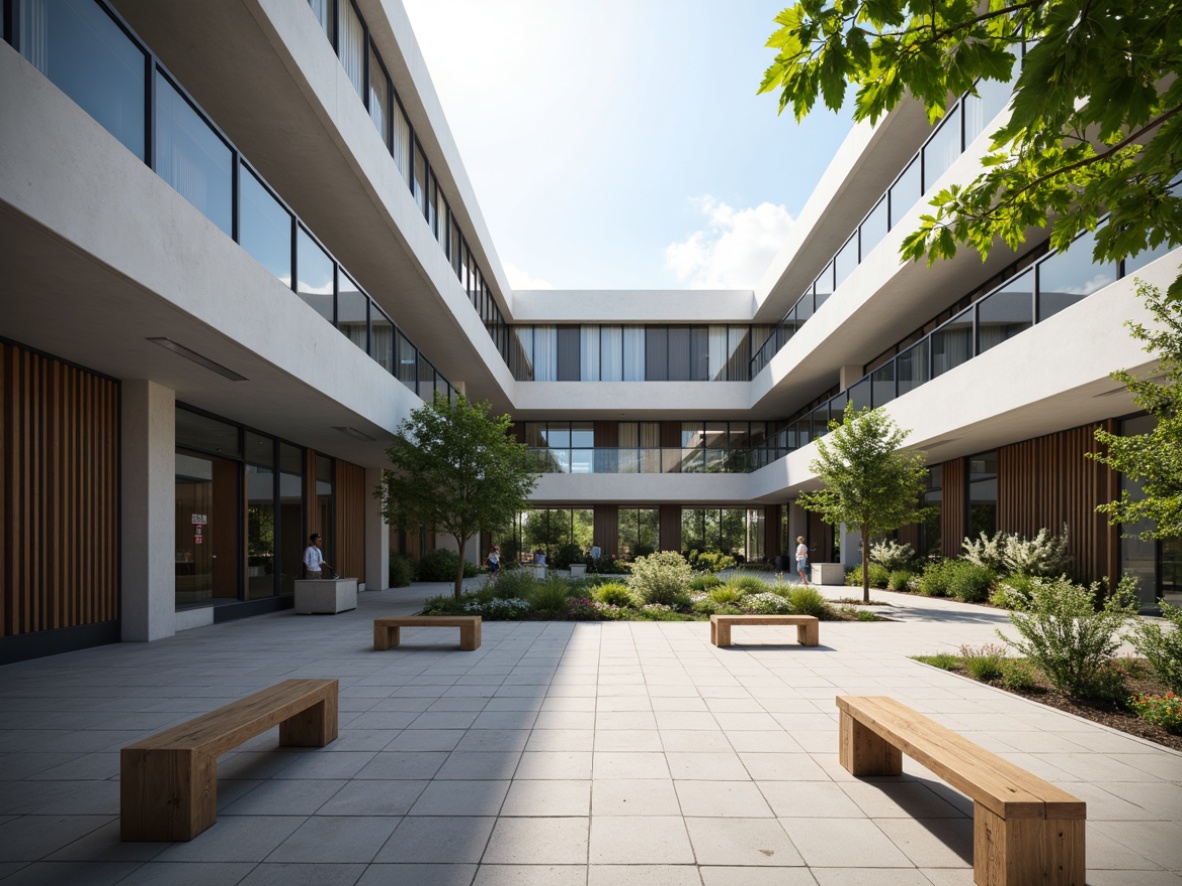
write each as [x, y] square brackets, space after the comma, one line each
[802, 559]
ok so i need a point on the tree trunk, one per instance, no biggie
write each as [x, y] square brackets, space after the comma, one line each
[865, 565]
[460, 574]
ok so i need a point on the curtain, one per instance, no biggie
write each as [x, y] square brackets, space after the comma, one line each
[401, 146]
[634, 353]
[353, 47]
[611, 353]
[545, 353]
[589, 353]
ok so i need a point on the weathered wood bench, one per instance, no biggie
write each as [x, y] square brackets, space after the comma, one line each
[808, 630]
[387, 631]
[168, 782]
[1025, 830]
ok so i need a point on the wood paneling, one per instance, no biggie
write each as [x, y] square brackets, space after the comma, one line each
[607, 433]
[671, 438]
[351, 496]
[670, 533]
[1047, 482]
[606, 526]
[772, 517]
[953, 503]
[59, 494]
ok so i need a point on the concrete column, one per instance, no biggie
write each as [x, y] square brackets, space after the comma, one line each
[849, 375]
[148, 462]
[851, 547]
[377, 537]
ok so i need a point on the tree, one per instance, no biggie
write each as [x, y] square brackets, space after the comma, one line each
[1096, 122]
[869, 484]
[456, 470]
[1154, 460]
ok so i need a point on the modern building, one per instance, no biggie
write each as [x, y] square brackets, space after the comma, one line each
[239, 247]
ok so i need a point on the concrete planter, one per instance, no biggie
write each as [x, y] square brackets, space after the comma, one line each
[325, 595]
[827, 574]
[578, 570]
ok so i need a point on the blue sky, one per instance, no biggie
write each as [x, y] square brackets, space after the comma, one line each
[621, 143]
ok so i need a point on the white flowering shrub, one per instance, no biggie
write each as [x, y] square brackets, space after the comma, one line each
[986, 551]
[890, 554]
[1044, 555]
[766, 603]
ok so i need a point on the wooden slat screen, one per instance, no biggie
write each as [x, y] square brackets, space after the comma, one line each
[1047, 482]
[670, 532]
[59, 494]
[772, 541]
[351, 497]
[606, 528]
[953, 503]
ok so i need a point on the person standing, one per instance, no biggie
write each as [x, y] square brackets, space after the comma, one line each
[802, 559]
[314, 564]
[494, 563]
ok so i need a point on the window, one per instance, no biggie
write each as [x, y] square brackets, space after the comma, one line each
[952, 343]
[1006, 312]
[611, 353]
[905, 192]
[420, 180]
[589, 353]
[322, 9]
[845, 261]
[88, 57]
[379, 96]
[545, 360]
[264, 227]
[353, 313]
[874, 228]
[191, 157]
[982, 494]
[315, 285]
[942, 149]
[1071, 276]
[400, 149]
[407, 357]
[633, 353]
[381, 338]
[352, 49]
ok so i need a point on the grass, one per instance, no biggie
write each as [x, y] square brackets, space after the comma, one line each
[943, 660]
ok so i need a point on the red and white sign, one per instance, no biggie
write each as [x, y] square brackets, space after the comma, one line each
[200, 519]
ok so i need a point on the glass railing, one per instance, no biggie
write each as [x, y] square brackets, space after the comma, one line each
[961, 126]
[90, 53]
[666, 460]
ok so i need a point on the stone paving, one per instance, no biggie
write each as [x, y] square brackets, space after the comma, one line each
[598, 754]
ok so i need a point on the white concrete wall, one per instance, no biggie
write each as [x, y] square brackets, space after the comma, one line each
[148, 511]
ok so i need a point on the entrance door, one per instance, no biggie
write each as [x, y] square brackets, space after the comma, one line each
[206, 529]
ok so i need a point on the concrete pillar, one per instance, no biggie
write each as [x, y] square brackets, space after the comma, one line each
[377, 537]
[848, 375]
[148, 466]
[850, 546]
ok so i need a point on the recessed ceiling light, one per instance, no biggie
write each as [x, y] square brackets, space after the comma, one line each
[199, 359]
[354, 433]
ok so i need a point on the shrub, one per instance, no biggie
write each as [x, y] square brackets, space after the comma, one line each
[445, 604]
[985, 664]
[497, 607]
[863, 614]
[1072, 643]
[643, 551]
[943, 660]
[724, 595]
[710, 561]
[582, 609]
[879, 576]
[968, 582]
[1016, 673]
[900, 580]
[567, 554]
[986, 552]
[1162, 710]
[766, 603]
[1163, 649]
[614, 593]
[514, 583]
[662, 578]
[934, 580]
[402, 571]
[550, 596]
[747, 584]
[808, 601]
[891, 555]
[705, 581]
[1013, 592]
[1043, 555]
[441, 565]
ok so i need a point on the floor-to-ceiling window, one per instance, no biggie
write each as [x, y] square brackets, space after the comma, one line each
[982, 494]
[639, 531]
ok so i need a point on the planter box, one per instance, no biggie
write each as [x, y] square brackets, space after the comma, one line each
[539, 571]
[827, 574]
[325, 595]
[578, 570]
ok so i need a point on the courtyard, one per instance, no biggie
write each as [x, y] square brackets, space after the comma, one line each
[558, 753]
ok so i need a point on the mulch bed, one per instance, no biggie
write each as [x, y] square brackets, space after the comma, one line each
[1112, 714]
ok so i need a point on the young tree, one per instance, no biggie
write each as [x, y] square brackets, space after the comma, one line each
[456, 470]
[1155, 459]
[1095, 125]
[869, 484]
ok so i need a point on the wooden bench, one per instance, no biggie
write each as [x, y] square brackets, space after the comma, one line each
[169, 782]
[808, 630]
[1025, 830]
[387, 631]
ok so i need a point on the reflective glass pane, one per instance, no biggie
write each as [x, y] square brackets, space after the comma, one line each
[420, 183]
[315, 284]
[905, 192]
[353, 312]
[426, 379]
[845, 261]
[264, 227]
[882, 381]
[379, 97]
[1143, 258]
[1006, 312]
[942, 150]
[912, 367]
[407, 358]
[260, 532]
[1071, 276]
[352, 48]
[195, 431]
[89, 58]
[980, 109]
[859, 394]
[322, 9]
[952, 343]
[874, 228]
[381, 338]
[401, 146]
[191, 157]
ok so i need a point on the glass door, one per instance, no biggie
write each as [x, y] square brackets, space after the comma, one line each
[206, 549]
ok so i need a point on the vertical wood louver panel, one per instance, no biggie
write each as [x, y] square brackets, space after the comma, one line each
[953, 503]
[771, 532]
[59, 494]
[606, 527]
[670, 533]
[350, 520]
[1048, 482]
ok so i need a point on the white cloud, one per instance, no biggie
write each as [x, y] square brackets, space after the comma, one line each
[733, 250]
[520, 279]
